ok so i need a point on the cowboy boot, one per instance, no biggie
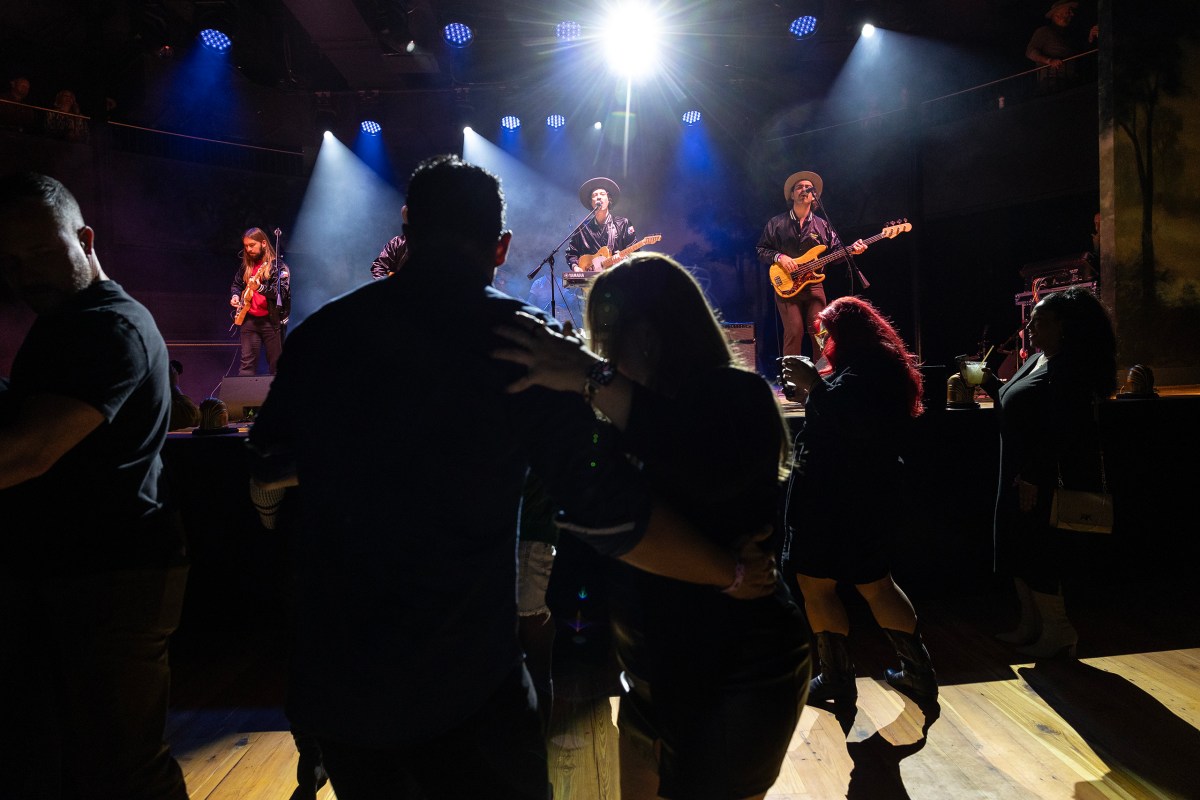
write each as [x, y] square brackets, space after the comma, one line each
[835, 681]
[915, 678]
[1058, 636]
[1030, 624]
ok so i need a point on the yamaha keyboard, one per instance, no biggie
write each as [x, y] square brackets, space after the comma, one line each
[578, 278]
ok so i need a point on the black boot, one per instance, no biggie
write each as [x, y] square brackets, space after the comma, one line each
[915, 678]
[835, 681]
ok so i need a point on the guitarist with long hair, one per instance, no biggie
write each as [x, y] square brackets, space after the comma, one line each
[786, 240]
[261, 293]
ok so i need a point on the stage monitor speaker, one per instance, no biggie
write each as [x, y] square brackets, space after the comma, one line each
[244, 395]
[741, 338]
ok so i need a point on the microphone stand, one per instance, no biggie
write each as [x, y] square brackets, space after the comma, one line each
[279, 284]
[852, 269]
[549, 260]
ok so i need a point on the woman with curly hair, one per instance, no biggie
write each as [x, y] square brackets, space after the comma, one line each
[846, 495]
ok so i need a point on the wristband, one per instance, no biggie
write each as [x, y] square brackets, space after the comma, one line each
[599, 374]
[739, 575]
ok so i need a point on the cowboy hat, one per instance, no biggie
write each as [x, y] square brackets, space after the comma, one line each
[592, 184]
[796, 177]
[1058, 3]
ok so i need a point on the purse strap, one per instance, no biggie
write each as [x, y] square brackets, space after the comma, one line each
[1099, 446]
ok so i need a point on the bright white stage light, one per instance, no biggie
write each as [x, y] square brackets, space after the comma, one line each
[598, 125]
[467, 129]
[630, 41]
[868, 30]
[328, 134]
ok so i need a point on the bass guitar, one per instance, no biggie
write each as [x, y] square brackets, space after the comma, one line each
[809, 266]
[604, 258]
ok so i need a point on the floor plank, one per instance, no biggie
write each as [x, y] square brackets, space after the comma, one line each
[1121, 723]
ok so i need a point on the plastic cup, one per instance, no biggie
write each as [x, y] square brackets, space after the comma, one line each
[972, 372]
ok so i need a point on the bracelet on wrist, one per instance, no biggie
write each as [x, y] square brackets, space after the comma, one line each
[739, 576]
[599, 374]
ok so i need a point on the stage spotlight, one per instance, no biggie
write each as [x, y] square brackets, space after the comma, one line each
[868, 30]
[215, 40]
[371, 127]
[328, 136]
[457, 34]
[598, 125]
[691, 117]
[803, 27]
[630, 40]
[467, 130]
[510, 123]
[555, 121]
[568, 30]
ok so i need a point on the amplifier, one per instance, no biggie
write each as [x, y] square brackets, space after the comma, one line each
[1077, 265]
[741, 339]
[1026, 299]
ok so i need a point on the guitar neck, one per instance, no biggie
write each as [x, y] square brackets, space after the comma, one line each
[633, 248]
[836, 254]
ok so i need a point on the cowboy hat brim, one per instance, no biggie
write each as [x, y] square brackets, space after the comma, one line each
[591, 185]
[796, 177]
[1059, 4]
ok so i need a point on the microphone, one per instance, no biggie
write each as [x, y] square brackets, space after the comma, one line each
[596, 203]
[278, 232]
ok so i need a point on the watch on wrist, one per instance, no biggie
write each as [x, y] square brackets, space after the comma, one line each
[599, 374]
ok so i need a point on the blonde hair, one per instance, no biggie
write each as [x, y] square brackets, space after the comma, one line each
[653, 292]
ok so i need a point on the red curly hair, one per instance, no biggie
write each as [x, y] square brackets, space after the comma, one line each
[857, 330]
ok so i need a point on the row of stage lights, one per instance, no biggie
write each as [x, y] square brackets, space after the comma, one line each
[510, 122]
[459, 34]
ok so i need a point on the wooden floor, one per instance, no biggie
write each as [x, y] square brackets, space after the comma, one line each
[1121, 722]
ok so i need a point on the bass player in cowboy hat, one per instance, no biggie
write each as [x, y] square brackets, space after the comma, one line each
[785, 239]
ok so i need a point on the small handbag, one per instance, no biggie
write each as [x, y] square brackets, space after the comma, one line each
[1077, 510]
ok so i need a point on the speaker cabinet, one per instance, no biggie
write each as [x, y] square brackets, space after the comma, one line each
[741, 338]
[243, 395]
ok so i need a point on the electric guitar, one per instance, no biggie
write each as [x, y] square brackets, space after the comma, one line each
[252, 285]
[809, 266]
[603, 258]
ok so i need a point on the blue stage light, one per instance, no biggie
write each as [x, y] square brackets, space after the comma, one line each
[556, 120]
[568, 30]
[457, 34]
[215, 40]
[691, 117]
[510, 123]
[371, 127]
[803, 27]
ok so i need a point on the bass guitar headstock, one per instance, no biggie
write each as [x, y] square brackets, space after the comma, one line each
[895, 228]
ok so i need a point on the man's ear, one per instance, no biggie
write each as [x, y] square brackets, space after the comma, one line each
[87, 238]
[502, 247]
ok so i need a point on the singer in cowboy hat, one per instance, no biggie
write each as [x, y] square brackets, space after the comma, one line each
[786, 238]
[605, 229]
